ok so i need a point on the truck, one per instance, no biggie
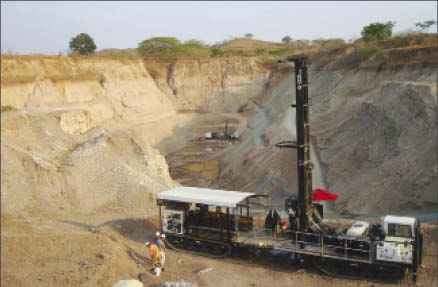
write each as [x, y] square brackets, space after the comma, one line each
[403, 241]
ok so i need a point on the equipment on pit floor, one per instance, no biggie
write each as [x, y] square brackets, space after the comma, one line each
[385, 250]
[234, 136]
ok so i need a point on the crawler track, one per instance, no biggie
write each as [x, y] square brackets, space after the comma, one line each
[200, 246]
[359, 271]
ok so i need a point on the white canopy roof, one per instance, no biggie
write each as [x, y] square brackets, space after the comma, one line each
[204, 196]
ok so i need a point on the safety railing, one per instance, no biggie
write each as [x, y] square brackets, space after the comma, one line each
[323, 245]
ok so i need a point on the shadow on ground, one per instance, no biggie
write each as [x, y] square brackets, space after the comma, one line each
[136, 229]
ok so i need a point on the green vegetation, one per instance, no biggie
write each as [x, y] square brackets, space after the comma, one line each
[236, 52]
[286, 39]
[367, 52]
[193, 48]
[215, 51]
[377, 48]
[159, 47]
[377, 31]
[426, 24]
[83, 44]
[329, 43]
[171, 47]
[260, 51]
[281, 51]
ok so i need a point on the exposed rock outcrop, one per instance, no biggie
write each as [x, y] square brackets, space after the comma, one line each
[377, 136]
[79, 134]
[84, 133]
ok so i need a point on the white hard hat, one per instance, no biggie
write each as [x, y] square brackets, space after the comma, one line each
[157, 234]
[147, 243]
[163, 235]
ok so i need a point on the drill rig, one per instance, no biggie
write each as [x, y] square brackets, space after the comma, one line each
[394, 246]
[217, 222]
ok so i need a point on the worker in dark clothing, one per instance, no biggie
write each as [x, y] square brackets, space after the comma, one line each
[272, 220]
[203, 209]
[376, 232]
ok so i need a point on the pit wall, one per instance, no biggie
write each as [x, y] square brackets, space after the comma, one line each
[377, 135]
[373, 141]
[86, 134]
[220, 85]
[91, 91]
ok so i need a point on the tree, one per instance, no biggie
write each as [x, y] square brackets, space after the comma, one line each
[193, 43]
[163, 47]
[377, 31]
[83, 44]
[426, 24]
[192, 48]
[286, 39]
[248, 35]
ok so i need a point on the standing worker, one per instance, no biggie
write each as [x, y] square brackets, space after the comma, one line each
[160, 243]
[155, 256]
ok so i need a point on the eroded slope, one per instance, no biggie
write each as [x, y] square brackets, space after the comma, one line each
[80, 134]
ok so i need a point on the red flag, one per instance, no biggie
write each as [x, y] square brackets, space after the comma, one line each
[320, 195]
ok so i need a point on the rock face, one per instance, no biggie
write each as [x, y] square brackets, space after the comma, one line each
[214, 85]
[82, 134]
[373, 134]
[45, 168]
[256, 165]
[89, 133]
[377, 136]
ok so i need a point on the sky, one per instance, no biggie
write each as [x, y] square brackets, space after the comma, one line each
[47, 27]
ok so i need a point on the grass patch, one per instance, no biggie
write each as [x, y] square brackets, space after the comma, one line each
[366, 53]
[328, 44]
[417, 49]
[354, 59]
[237, 52]
[118, 53]
[281, 51]
[260, 51]
[17, 71]
[167, 48]
[217, 52]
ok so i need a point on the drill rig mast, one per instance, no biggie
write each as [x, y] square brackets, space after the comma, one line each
[308, 216]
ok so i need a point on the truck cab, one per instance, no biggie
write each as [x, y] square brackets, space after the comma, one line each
[403, 241]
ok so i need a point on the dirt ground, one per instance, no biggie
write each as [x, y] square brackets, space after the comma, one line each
[101, 249]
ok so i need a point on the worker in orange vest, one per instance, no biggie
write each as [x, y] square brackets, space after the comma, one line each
[155, 254]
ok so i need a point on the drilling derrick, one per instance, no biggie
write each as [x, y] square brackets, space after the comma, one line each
[302, 144]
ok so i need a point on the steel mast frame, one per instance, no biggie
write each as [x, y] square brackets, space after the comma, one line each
[302, 144]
